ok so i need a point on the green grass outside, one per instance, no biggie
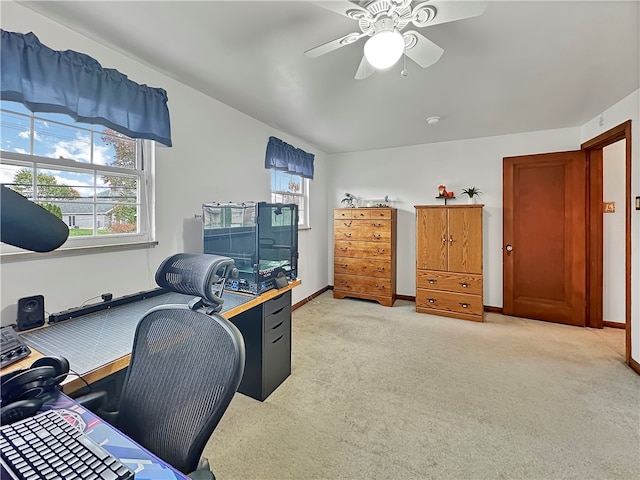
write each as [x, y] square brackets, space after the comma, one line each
[84, 232]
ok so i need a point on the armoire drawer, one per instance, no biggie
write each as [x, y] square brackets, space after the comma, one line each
[360, 249]
[355, 283]
[359, 266]
[467, 283]
[449, 301]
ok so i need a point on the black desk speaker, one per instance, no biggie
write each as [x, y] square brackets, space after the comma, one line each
[30, 312]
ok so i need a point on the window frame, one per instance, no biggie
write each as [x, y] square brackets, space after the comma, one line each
[303, 216]
[143, 173]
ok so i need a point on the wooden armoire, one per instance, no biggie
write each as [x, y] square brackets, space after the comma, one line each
[364, 264]
[449, 261]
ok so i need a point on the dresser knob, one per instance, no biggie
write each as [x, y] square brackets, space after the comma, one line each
[348, 224]
[432, 281]
[464, 305]
[432, 300]
[464, 284]
[380, 269]
[347, 235]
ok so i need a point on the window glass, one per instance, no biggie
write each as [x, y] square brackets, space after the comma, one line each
[291, 188]
[88, 175]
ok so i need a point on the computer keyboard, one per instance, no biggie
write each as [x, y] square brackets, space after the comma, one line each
[46, 446]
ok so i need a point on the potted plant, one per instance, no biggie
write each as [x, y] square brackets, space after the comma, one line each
[472, 193]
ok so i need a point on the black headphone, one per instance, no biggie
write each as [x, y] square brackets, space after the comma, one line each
[23, 392]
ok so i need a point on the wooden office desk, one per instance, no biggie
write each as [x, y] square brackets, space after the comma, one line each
[113, 365]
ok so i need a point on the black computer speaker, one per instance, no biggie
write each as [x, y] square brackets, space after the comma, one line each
[30, 312]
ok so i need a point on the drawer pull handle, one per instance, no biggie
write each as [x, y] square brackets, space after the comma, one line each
[464, 284]
[344, 282]
[277, 326]
[348, 224]
[432, 300]
[277, 311]
[278, 339]
[380, 250]
[344, 249]
[465, 305]
[376, 236]
[376, 224]
[450, 239]
[361, 214]
[380, 269]
[347, 235]
[444, 240]
[432, 281]
[344, 265]
[380, 287]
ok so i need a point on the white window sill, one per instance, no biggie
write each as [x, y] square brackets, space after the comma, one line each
[69, 251]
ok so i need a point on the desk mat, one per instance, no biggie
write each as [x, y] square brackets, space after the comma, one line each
[93, 340]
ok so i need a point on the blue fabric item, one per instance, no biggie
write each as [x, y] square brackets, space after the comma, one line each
[282, 156]
[72, 83]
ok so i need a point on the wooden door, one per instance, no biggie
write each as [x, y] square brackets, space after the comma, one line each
[465, 239]
[431, 241]
[544, 234]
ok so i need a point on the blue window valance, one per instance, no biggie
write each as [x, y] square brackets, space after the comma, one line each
[72, 83]
[282, 156]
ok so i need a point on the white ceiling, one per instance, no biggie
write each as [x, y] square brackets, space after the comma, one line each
[521, 66]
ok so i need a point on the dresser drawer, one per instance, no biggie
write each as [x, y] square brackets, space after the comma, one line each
[355, 283]
[380, 213]
[350, 213]
[360, 249]
[366, 231]
[452, 282]
[277, 303]
[448, 301]
[366, 267]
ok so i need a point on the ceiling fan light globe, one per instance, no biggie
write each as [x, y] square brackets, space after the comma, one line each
[384, 49]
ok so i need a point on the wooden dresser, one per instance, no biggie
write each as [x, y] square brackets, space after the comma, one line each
[449, 261]
[365, 254]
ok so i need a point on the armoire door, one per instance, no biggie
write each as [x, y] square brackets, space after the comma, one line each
[431, 247]
[544, 230]
[464, 234]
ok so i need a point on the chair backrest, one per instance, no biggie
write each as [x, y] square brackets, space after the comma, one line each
[185, 367]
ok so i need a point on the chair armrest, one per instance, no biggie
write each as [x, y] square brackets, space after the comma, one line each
[92, 401]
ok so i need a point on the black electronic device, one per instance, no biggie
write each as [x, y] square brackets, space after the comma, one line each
[30, 312]
[23, 392]
[12, 347]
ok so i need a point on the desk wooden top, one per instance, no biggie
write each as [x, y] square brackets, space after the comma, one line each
[73, 383]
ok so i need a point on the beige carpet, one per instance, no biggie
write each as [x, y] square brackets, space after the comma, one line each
[388, 393]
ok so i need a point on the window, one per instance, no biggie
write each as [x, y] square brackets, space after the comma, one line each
[90, 176]
[291, 188]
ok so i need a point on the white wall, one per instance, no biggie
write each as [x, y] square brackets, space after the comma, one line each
[410, 176]
[218, 155]
[626, 109]
[614, 180]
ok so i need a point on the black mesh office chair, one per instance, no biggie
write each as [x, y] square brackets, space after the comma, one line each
[186, 364]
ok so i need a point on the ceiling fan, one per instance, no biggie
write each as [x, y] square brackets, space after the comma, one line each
[384, 21]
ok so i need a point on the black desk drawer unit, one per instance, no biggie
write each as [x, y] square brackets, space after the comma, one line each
[266, 329]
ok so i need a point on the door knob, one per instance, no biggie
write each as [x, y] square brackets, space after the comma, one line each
[509, 248]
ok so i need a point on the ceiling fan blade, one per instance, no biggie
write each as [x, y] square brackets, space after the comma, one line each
[333, 45]
[364, 69]
[420, 49]
[446, 11]
[343, 7]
